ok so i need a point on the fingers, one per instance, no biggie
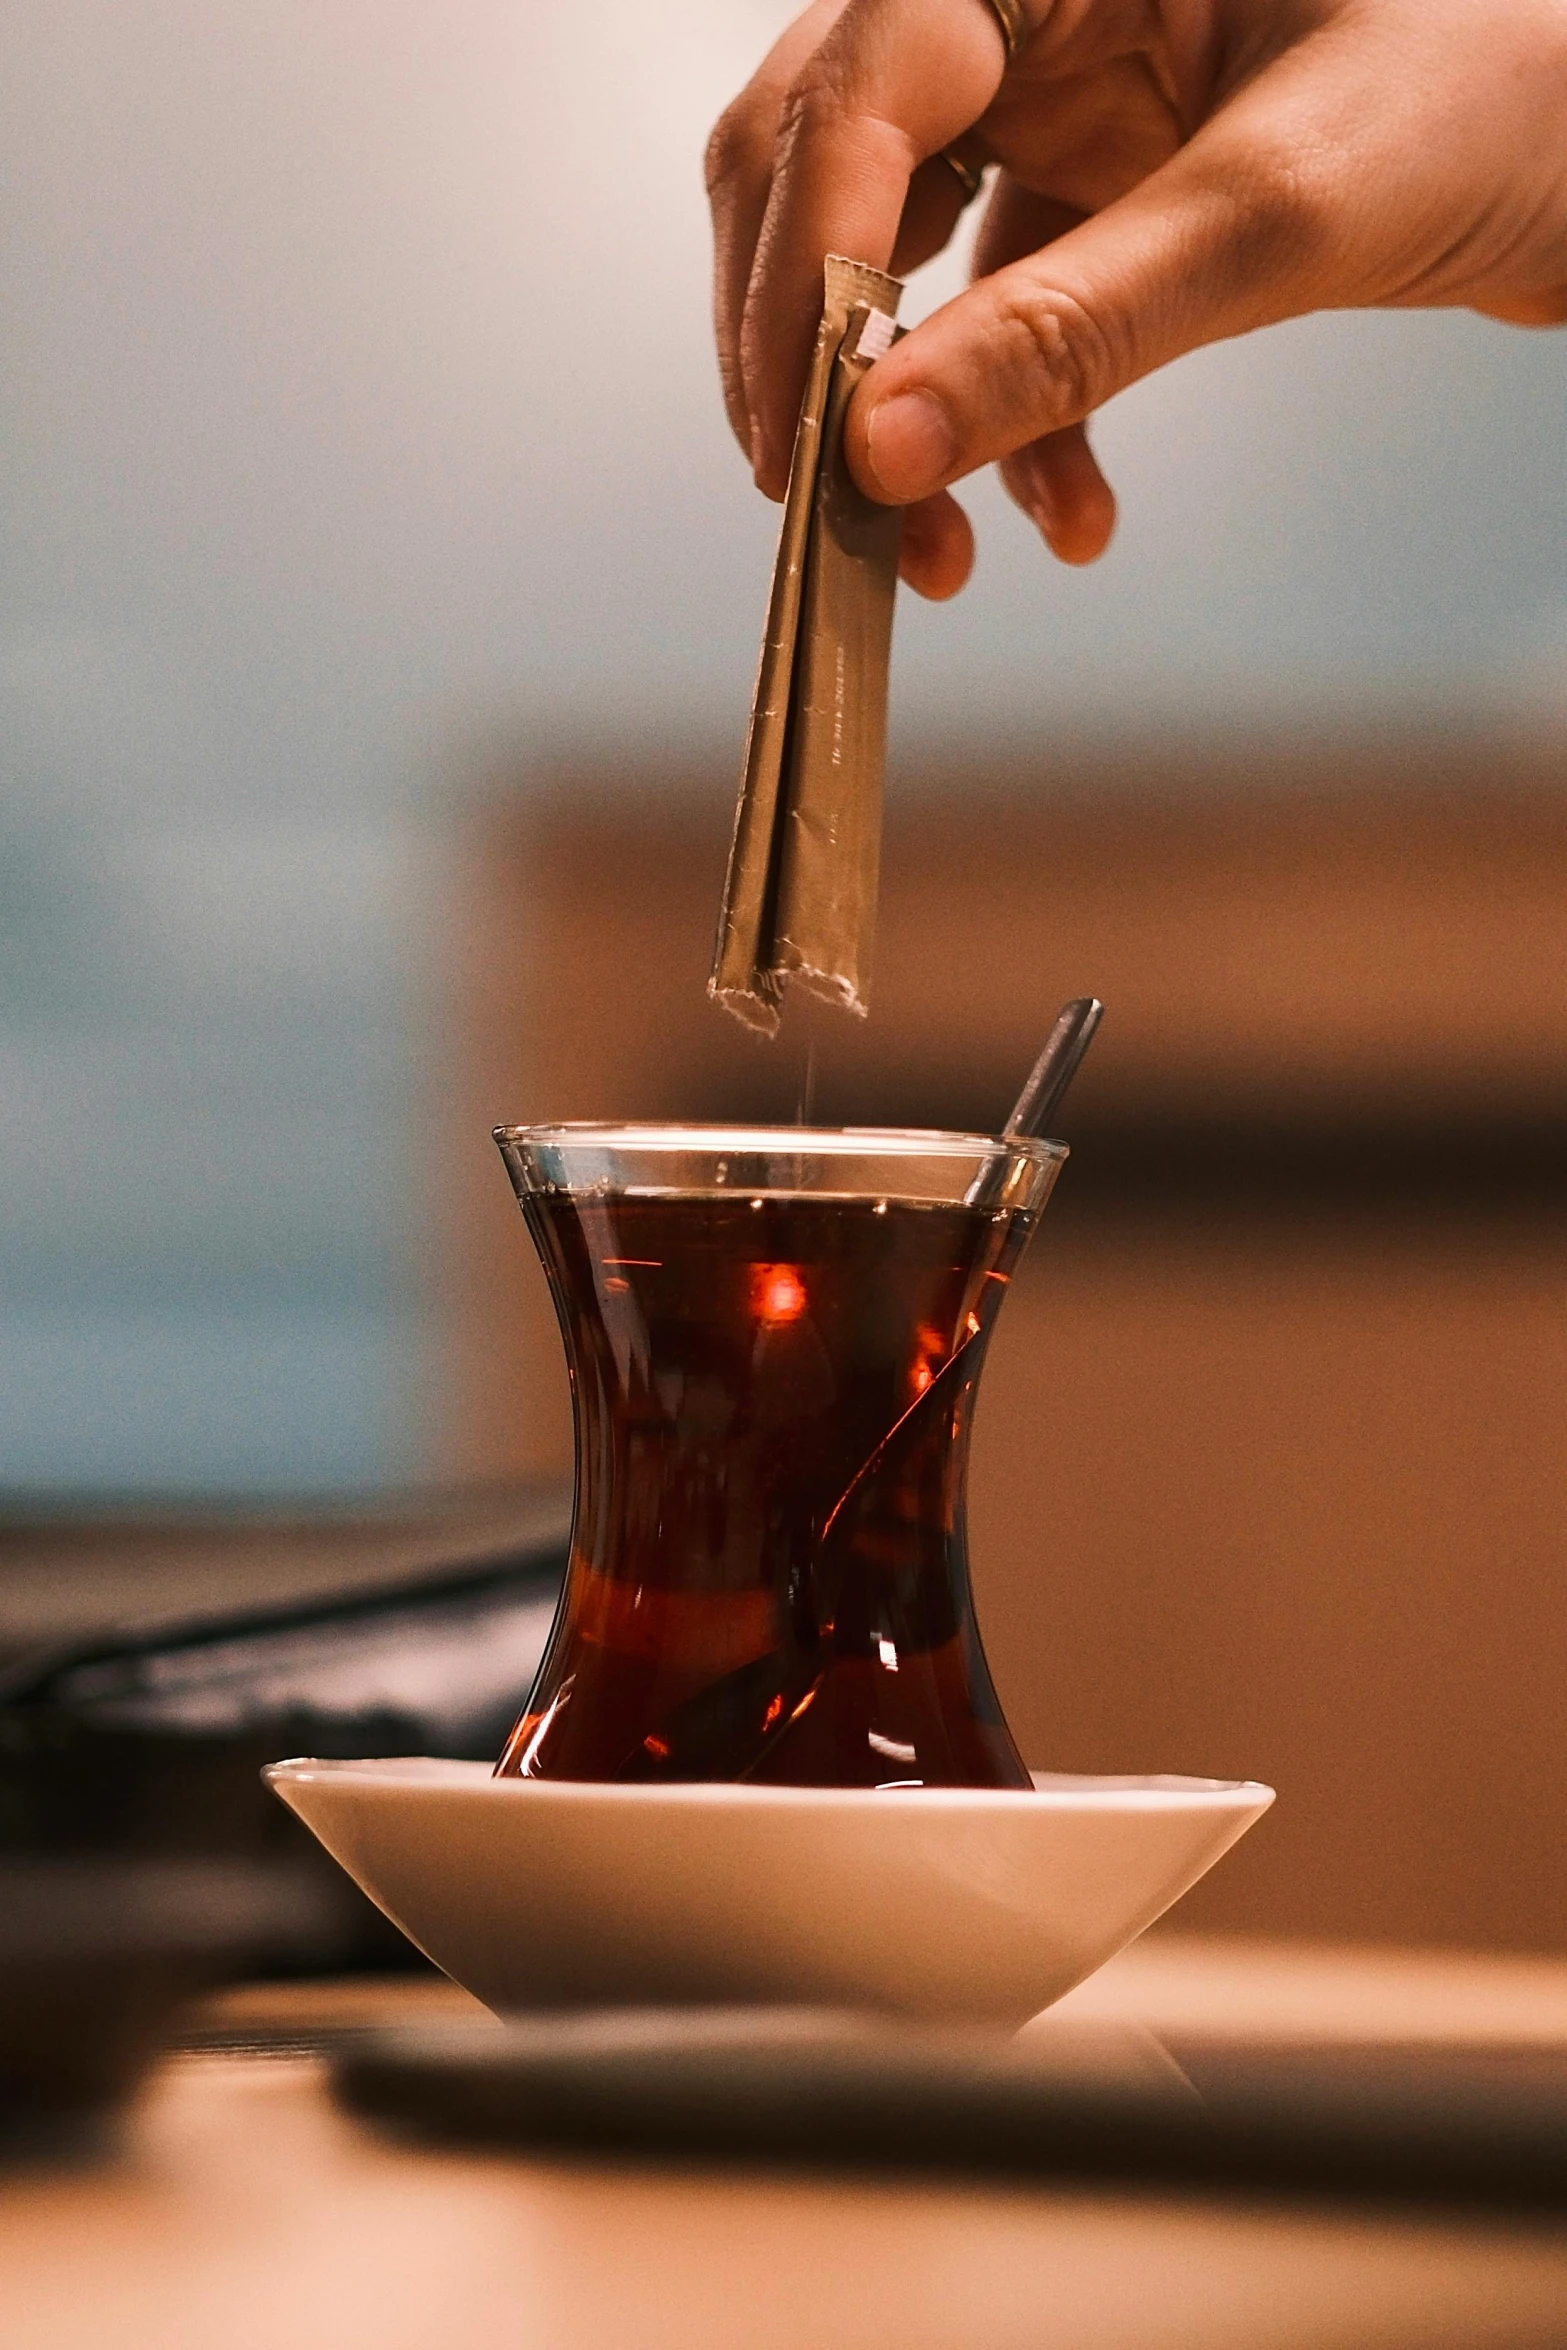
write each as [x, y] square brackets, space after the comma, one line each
[1228, 235]
[739, 175]
[1057, 482]
[738, 167]
[937, 554]
[887, 87]
[1055, 479]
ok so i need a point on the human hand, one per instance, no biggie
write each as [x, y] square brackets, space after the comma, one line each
[1172, 172]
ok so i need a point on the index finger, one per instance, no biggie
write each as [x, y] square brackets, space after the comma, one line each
[892, 83]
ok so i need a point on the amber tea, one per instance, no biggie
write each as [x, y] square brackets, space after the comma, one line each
[773, 1388]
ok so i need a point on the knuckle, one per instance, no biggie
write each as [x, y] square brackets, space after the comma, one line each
[1274, 216]
[1052, 340]
[812, 104]
[734, 145]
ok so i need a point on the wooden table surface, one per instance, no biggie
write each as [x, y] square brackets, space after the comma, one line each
[245, 2213]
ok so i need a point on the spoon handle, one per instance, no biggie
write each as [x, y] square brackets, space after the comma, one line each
[1055, 1068]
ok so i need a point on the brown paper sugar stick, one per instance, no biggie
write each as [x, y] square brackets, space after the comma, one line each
[800, 895]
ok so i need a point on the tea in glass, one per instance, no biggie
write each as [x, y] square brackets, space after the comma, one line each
[774, 1341]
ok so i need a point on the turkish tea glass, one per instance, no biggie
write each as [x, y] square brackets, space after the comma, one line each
[774, 1339]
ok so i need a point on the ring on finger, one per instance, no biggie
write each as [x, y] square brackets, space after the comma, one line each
[1012, 17]
[966, 159]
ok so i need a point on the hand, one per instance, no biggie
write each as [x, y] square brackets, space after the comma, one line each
[1172, 172]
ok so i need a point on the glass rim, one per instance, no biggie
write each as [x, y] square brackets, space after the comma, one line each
[821, 1141]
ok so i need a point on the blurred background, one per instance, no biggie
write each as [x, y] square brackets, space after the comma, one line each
[378, 615]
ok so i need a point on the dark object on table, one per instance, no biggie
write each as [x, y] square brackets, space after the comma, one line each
[151, 1744]
[1406, 2125]
[96, 1956]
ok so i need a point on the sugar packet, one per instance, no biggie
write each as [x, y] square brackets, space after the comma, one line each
[800, 894]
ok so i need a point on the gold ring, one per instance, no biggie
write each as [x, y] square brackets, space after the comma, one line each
[1012, 17]
[966, 159]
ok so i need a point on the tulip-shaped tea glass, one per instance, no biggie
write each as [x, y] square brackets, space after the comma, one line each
[773, 1339]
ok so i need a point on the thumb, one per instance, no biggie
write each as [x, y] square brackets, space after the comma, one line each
[1224, 237]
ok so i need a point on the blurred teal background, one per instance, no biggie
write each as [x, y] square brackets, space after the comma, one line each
[361, 438]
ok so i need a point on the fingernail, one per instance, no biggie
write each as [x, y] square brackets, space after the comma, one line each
[911, 445]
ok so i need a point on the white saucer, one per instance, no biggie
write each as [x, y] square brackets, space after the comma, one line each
[954, 1903]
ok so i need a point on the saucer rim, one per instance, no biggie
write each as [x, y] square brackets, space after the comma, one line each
[1054, 1791]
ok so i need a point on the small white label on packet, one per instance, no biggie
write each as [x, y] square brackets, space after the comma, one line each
[875, 336]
